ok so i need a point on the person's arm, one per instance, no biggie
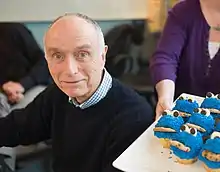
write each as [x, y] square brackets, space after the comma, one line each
[126, 128]
[39, 73]
[29, 125]
[165, 91]
[164, 63]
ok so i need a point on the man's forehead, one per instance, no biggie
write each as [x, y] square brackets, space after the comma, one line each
[68, 34]
[70, 24]
[71, 32]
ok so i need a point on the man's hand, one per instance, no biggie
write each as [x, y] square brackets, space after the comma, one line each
[163, 104]
[14, 91]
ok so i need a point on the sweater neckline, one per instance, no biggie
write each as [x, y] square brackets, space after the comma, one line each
[206, 34]
[103, 101]
[202, 16]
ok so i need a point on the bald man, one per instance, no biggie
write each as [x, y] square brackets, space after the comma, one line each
[90, 116]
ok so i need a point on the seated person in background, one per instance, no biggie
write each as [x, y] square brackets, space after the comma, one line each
[23, 74]
[23, 65]
[90, 116]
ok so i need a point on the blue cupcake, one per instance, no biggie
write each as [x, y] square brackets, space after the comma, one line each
[212, 102]
[202, 121]
[185, 107]
[187, 145]
[210, 153]
[217, 127]
[167, 127]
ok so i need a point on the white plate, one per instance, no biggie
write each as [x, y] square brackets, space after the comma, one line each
[147, 155]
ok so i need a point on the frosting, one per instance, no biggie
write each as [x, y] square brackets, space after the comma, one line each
[185, 105]
[194, 142]
[211, 145]
[214, 115]
[217, 127]
[210, 164]
[169, 121]
[211, 102]
[205, 121]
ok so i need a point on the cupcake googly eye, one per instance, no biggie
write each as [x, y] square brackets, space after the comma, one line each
[164, 113]
[175, 113]
[181, 98]
[218, 96]
[207, 112]
[215, 134]
[209, 95]
[183, 128]
[196, 110]
[190, 100]
[203, 112]
[193, 131]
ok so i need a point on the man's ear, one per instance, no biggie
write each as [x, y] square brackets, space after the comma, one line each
[104, 53]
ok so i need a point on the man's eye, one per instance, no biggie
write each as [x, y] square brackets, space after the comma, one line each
[57, 56]
[83, 55]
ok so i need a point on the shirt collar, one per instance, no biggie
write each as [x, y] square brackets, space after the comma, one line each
[99, 94]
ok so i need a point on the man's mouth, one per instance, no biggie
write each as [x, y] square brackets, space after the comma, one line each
[71, 82]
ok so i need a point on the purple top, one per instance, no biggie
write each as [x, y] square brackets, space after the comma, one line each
[182, 54]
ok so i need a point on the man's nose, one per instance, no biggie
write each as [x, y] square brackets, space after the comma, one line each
[71, 64]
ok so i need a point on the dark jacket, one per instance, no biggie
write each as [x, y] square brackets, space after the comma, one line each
[22, 60]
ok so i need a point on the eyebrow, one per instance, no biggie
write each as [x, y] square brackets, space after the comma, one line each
[52, 49]
[85, 46]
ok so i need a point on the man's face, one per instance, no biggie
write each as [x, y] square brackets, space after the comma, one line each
[74, 57]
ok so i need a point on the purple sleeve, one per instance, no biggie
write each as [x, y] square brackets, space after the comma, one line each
[164, 63]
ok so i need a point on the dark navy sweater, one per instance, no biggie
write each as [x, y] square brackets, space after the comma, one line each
[86, 140]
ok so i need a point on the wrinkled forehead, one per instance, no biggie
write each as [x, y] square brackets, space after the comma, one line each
[71, 32]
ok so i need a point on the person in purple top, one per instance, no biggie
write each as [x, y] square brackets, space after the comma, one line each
[187, 59]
